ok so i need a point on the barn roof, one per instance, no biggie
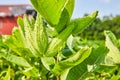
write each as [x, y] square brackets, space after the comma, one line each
[8, 10]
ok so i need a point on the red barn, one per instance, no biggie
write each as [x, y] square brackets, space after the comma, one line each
[6, 24]
[9, 15]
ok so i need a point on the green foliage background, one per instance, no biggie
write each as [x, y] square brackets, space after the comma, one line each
[95, 31]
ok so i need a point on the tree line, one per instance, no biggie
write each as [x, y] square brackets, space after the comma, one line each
[95, 31]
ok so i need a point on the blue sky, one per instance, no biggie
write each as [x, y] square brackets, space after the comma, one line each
[105, 7]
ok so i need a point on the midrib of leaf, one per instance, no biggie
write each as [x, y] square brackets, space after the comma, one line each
[64, 5]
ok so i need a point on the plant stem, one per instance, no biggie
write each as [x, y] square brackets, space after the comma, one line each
[58, 77]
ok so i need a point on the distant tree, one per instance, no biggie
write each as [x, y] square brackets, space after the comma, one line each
[96, 29]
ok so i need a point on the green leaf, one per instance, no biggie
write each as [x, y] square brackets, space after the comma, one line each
[50, 9]
[7, 76]
[15, 59]
[64, 74]
[88, 65]
[32, 21]
[32, 72]
[65, 16]
[70, 43]
[23, 51]
[82, 23]
[74, 60]
[58, 42]
[30, 37]
[48, 62]
[16, 42]
[70, 7]
[104, 68]
[21, 24]
[112, 37]
[9, 42]
[18, 37]
[36, 36]
[115, 77]
[41, 38]
[111, 43]
[44, 73]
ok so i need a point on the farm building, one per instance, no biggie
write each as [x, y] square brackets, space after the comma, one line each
[9, 15]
